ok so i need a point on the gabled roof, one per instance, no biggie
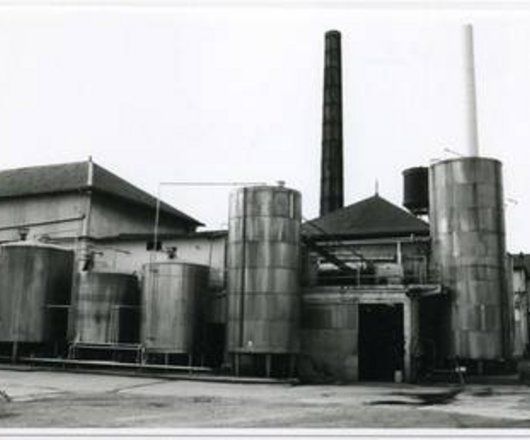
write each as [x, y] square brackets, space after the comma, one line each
[372, 217]
[75, 176]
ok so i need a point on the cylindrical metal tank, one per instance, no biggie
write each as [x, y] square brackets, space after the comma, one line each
[467, 227]
[106, 308]
[416, 190]
[34, 278]
[263, 270]
[172, 295]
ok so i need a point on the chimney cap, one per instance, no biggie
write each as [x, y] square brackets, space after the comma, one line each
[332, 32]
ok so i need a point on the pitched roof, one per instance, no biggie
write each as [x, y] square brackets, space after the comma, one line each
[217, 233]
[68, 177]
[371, 217]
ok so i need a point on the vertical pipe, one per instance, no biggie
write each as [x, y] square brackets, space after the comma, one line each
[243, 270]
[331, 178]
[472, 144]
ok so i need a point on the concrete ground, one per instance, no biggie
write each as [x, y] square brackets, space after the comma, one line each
[64, 399]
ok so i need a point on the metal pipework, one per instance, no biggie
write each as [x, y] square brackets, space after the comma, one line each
[331, 183]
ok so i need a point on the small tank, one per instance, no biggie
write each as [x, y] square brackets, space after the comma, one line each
[35, 288]
[171, 306]
[416, 190]
[106, 308]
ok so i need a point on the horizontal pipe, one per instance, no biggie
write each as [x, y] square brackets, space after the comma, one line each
[42, 223]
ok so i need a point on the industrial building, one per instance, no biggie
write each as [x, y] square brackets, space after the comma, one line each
[95, 268]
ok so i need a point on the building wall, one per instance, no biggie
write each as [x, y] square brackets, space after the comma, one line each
[520, 312]
[111, 216]
[329, 333]
[42, 208]
[519, 280]
[130, 255]
[108, 216]
[329, 337]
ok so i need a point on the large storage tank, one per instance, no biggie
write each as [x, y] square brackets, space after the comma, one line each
[106, 308]
[35, 286]
[172, 298]
[467, 224]
[263, 270]
[416, 190]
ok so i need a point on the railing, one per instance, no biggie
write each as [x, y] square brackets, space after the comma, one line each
[370, 279]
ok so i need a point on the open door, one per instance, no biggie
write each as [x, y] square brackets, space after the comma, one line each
[381, 341]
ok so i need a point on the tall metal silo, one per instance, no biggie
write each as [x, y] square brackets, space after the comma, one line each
[263, 273]
[35, 288]
[172, 297]
[467, 226]
[106, 308]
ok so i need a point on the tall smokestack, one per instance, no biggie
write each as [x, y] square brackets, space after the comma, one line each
[331, 179]
[472, 145]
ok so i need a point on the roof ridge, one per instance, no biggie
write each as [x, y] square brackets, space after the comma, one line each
[50, 165]
[371, 216]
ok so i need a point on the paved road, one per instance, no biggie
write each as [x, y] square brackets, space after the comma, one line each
[61, 399]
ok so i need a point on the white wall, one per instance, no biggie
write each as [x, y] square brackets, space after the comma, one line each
[42, 208]
[129, 256]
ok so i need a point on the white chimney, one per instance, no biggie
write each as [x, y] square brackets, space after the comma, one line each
[471, 145]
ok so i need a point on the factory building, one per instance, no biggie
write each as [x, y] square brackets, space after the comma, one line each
[365, 310]
[365, 292]
[85, 207]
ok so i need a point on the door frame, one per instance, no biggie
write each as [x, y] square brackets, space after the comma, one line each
[381, 299]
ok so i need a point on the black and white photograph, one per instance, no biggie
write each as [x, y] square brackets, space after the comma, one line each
[264, 218]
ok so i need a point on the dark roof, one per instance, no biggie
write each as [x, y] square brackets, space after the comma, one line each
[69, 177]
[218, 233]
[372, 217]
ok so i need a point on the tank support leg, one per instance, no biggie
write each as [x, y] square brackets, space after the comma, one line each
[236, 364]
[190, 362]
[166, 358]
[292, 364]
[480, 368]
[268, 361]
[14, 352]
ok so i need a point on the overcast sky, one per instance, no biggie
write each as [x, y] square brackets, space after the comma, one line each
[235, 93]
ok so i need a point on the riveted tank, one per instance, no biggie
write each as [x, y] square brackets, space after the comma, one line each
[172, 299]
[469, 251]
[263, 270]
[35, 290]
[106, 308]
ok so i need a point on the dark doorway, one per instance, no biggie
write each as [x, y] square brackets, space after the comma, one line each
[381, 341]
